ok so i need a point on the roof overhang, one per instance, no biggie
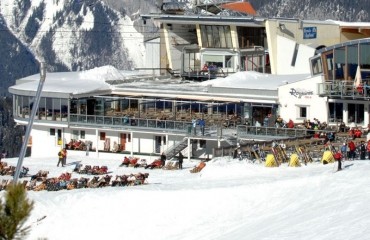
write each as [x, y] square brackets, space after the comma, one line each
[363, 30]
[51, 94]
[205, 20]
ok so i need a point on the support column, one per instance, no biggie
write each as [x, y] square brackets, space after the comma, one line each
[97, 142]
[167, 143]
[132, 143]
[345, 113]
[189, 148]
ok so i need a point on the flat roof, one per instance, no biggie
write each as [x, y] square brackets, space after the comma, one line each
[108, 80]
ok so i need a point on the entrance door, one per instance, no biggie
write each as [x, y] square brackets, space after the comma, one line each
[158, 144]
[59, 137]
[123, 137]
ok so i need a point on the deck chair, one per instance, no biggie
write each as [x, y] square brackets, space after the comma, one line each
[31, 185]
[3, 184]
[198, 168]
[24, 183]
[169, 165]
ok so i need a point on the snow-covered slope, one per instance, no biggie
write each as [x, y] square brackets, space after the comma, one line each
[228, 199]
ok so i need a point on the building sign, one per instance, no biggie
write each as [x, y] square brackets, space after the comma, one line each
[298, 93]
[309, 32]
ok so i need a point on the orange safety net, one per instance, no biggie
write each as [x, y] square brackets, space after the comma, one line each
[244, 7]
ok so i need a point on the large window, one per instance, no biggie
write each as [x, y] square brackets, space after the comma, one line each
[216, 36]
[316, 65]
[356, 113]
[352, 60]
[250, 37]
[227, 62]
[340, 63]
[365, 61]
[335, 112]
[328, 65]
[55, 109]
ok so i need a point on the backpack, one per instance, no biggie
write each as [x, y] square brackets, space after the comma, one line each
[59, 154]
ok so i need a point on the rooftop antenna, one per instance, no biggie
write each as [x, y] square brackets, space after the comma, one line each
[30, 121]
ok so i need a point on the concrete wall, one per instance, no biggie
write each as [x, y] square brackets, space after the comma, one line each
[285, 52]
[43, 143]
[152, 57]
[280, 31]
[302, 94]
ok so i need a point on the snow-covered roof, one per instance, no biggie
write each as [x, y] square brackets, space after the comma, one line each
[64, 84]
[255, 80]
[97, 81]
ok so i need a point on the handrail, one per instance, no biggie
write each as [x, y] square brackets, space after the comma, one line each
[180, 126]
[344, 89]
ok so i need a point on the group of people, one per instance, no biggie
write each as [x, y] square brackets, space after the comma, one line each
[180, 158]
[348, 152]
[279, 122]
[202, 124]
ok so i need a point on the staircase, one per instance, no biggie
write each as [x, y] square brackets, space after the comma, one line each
[231, 140]
[175, 149]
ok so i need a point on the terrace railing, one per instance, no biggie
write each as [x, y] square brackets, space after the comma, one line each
[183, 127]
[127, 122]
[344, 89]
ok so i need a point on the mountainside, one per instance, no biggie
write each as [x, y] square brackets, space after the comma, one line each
[343, 10]
[68, 36]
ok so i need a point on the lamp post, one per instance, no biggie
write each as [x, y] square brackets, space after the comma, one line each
[30, 121]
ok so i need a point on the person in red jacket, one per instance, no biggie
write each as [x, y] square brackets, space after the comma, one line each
[290, 124]
[352, 149]
[338, 158]
[357, 133]
[368, 149]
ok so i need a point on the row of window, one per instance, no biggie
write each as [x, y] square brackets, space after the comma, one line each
[55, 109]
[214, 36]
[341, 63]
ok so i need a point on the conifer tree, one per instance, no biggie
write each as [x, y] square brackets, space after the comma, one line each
[14, 212]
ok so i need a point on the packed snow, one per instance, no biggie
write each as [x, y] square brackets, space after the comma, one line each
[228, 199]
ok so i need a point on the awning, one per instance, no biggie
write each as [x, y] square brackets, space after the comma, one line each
[243, 7]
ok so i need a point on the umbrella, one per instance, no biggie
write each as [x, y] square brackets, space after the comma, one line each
[358, 78]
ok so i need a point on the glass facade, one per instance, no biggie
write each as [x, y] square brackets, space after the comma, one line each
[250, 37]
[341, 62]
[54, 109]
[216, 36]
[119, 110]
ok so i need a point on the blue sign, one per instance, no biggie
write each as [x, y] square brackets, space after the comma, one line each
[309, 32]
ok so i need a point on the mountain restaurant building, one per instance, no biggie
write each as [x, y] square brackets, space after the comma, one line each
[215, 68]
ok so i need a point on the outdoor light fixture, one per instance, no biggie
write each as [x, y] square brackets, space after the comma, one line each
[282, 27]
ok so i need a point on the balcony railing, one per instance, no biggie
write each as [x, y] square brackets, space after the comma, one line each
[344, 89]
[274, 132]
[183, 126]
[126, 122]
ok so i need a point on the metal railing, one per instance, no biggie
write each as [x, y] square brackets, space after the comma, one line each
[272, 131]
[344, 89]
[183, 126]
[125, 122]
